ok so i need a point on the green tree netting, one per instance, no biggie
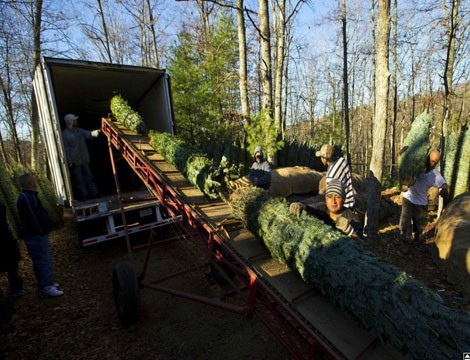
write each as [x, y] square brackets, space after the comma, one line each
[201, 171]
[456, 164]
[398, 308]
[126, 115]
[416, 147]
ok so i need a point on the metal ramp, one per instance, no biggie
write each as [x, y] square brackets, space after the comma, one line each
[302, 319]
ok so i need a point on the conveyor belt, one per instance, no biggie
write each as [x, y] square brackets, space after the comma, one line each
[339, 330]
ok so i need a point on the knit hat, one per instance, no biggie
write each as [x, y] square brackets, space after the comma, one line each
[326, 151]
[335, 186]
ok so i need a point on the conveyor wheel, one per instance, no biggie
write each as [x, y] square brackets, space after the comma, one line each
[126, 293]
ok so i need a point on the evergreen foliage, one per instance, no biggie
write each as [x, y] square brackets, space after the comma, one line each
[126, 115]
[262, 131]
[8, 196]
[415, 150]
[10, 189]
[456, 164]
[203, 69]
[45, 193]
[201, 171]
[398, 308]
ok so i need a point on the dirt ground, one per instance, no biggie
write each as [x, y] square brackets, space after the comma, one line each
[83, 324]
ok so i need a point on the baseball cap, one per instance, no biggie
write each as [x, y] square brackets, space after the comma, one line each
[325, 151]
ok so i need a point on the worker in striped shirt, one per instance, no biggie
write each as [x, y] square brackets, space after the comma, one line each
[338, 168]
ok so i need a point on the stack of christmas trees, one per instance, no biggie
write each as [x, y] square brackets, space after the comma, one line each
[398, 308]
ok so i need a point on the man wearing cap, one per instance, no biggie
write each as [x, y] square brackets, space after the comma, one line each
[260, 171]
[78, 158]
[338, 168]
[332, 211]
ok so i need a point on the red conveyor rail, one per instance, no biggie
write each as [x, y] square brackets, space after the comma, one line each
[296, 334]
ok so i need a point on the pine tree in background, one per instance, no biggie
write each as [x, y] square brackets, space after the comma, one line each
[45, 192]
[204, 82]
[10, 189]
[261, 131]
[8, 196]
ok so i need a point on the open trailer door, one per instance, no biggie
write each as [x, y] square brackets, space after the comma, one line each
[51, 134]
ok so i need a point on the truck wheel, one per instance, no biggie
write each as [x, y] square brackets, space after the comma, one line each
[126, 294]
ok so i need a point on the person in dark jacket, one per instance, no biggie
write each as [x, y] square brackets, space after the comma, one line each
[10, 256]
[35, 227]
[260, 171]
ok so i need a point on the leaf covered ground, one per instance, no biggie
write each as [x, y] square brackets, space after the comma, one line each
[83, 323]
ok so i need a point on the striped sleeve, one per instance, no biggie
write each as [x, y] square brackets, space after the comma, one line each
[340, 170]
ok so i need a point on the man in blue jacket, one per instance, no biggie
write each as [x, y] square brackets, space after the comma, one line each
[35, 227]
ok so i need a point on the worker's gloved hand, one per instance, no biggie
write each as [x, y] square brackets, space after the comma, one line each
[297, 208]
[96, 133]
[344, 225]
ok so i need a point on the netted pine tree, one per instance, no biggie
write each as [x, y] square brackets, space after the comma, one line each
[397, 307]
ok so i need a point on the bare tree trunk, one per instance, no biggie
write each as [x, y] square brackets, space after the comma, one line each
[286, 84]
[374, 55]
[451, 29]
[380, 118]
[369, 127]
[3, 150]
[266, 68]
[10, 117]
[205, 9]
[105, 31]
[243, 62]
[395, 91]
[35, 134]
[154, 36]
[279, 66]
[345, 79]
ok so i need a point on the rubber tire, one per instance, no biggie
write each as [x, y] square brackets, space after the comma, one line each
[126, 294]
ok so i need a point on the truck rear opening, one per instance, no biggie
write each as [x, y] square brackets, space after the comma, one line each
[85, 89]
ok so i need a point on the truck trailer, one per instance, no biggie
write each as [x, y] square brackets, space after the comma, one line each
[85, 88]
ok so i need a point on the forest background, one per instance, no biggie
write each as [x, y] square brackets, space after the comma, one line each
[348, 72]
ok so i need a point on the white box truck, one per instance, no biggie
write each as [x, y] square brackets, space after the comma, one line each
[84, 88]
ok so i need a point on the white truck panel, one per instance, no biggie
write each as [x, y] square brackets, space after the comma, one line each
[85, 88]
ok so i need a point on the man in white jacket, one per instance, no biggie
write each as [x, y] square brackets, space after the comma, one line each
[78, 158]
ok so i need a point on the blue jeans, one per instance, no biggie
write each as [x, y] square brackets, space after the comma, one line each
[413, 218]
[40, 253]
